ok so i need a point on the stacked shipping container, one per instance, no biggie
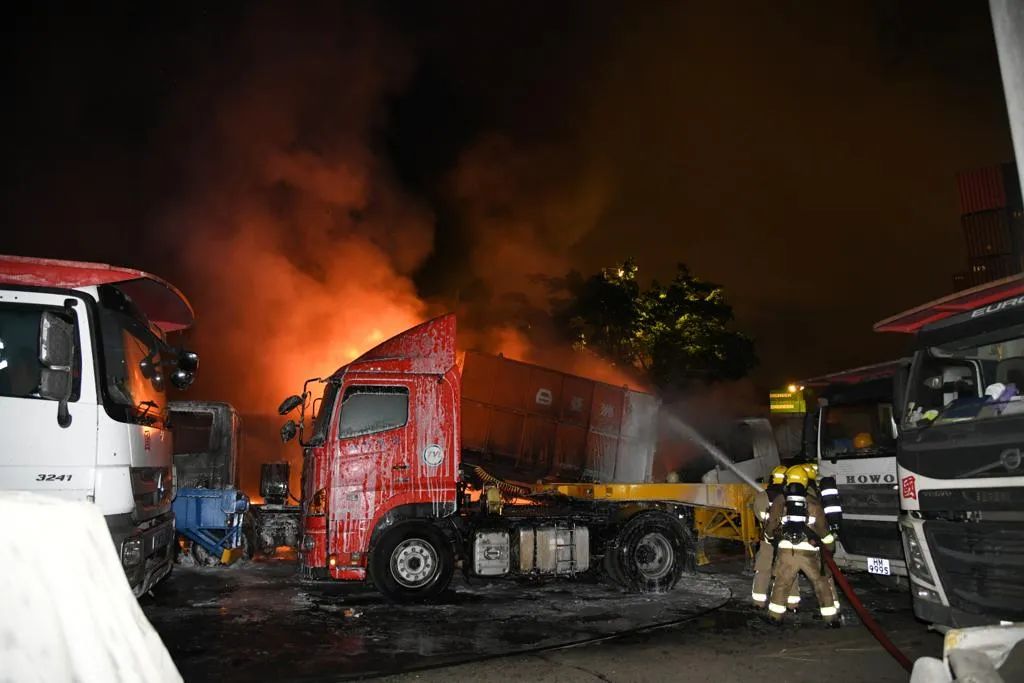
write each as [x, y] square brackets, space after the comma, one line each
[992, 218]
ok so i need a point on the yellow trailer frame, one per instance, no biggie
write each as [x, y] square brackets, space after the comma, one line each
[724, 511]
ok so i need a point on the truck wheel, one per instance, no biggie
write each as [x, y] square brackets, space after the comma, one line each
[654, 549]
[412, 562]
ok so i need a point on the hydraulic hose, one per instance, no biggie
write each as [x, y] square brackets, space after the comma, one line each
[869, 622]
[503, 486]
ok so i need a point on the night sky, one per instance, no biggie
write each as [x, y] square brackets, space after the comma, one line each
[803, 156]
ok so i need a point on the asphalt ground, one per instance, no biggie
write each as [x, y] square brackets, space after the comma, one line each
[259, 619]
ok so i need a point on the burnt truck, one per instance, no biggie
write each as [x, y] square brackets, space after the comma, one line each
[207, 449]
[416, 465]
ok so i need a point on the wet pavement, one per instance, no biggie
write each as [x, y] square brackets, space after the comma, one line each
[260, 619]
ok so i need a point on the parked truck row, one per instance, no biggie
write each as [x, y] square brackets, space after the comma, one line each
[418, 462]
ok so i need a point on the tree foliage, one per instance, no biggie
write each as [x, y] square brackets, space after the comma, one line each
[674, 334]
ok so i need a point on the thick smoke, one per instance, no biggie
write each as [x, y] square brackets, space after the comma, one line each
[299, 246]
[524, 211]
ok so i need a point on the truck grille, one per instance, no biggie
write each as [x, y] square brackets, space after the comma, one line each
[871, 539]
[980, 565]
[152, 488]
[868, 499]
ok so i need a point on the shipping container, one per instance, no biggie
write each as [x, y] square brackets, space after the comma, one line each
[527, 423]
[989, 268]
[991, 187]
[987, 233]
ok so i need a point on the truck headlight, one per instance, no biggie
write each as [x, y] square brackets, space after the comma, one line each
[131, 552]
[916, 562]
[922, 593]
[318, 504]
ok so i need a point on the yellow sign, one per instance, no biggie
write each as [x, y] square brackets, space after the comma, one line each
[788, 400]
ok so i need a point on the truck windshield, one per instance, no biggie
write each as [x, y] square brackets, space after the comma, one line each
[133, 382]
[966, 381]
[858, 430]
[20, 369]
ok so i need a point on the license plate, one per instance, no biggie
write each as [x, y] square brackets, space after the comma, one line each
[878, 565]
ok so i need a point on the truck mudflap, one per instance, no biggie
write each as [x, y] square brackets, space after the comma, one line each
[146, 552]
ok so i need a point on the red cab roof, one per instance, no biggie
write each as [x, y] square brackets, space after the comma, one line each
[913, 320]
[427, 348]
[856, 375]
[159, 300]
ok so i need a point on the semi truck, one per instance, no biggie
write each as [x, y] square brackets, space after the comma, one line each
[84, 369]
[851, 433]
[960, 471]
[416, 464]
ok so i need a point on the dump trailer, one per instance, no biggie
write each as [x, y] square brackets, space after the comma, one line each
[961, 473]
[397, 487]
[84, 368]
[207, 451]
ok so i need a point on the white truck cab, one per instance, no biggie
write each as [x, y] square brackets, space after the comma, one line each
[851, 433]
[84, 367]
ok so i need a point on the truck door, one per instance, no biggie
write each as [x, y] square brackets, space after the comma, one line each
[36, 453]
[373, 463]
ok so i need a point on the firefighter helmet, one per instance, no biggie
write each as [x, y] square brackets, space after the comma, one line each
[779, 475]
[797, 475]
[863, 440]
[812, 470]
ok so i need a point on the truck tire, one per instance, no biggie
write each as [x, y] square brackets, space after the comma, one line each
[250, 535]
[412, 562]
[653, 550]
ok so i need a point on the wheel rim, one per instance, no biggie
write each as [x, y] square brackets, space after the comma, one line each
[414, 562]
[654, 556]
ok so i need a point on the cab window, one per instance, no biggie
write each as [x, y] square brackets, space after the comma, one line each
[372, 409]
[20, 369]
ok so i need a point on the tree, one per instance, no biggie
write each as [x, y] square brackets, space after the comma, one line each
[675, 334]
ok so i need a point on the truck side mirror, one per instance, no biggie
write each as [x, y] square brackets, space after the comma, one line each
[56, 355]
[182, 379]
[288, 431]
[289, 404]
[188, 361]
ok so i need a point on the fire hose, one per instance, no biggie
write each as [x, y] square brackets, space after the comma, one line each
[869, 622]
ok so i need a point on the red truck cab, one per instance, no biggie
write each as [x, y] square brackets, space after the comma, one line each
[384, 497]
[384, 449]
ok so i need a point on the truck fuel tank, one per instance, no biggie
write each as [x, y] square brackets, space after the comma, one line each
[548, 549]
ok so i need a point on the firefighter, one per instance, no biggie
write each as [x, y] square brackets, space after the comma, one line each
[766, 550]
[819, 489]
[799, 521]
[831, 503]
